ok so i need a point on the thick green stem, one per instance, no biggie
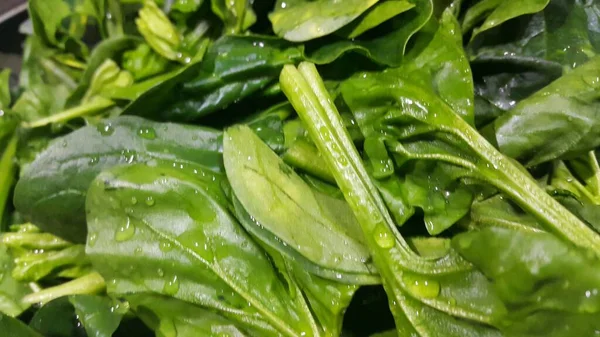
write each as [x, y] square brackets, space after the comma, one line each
[91, 283]
[7, 172]
[510, 179]
[33, 240]
[96, 105]
[306, 157]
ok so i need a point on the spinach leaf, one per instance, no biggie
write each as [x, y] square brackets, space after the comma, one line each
[302, 20]
[100, 316]
[52, 189]
[418, 287]
[168, 316]
[548, 286]
[47, 17]
[14, 327]
[500, 11]
[173, 235]
[234, 68]
[568, 108]
[425, 128]
[143, 62]
[57, 318]
[376, 15]
[316, 227]
[110, 48]
[11, 290]
[442, 66]
[385, 45]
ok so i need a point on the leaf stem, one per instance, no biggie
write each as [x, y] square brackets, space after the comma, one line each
[96, 105]
[91, 283]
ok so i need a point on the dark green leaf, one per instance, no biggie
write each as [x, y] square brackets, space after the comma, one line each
[57, 318]
[234, 67]
[549, 287]
[500, 12]
[100, 316]
[385, 45]
[178, 239]
[557, 121]
[52, 189]
[15, 328]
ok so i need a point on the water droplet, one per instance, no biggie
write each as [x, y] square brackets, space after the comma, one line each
[160, 272]
[150, 201]
[125, 231]
[94, 160]
[64, 143]
[421, 286]
[92, 238]
[165, 246]
[383, 238]
[147, 133]
[137, 251]
[171, 286]
[133, 200]
[105, 129]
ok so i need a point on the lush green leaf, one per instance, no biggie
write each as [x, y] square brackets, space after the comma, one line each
[179, 240]
[52, 189]
[302, 20]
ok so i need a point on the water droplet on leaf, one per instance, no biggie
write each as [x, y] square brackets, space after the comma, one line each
[125, 231]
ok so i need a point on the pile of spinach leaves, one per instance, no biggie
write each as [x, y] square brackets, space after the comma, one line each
[315, 168]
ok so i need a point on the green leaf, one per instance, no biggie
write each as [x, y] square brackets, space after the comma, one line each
[168, 316]
[14, 327]
[500, 12]
[426, 128]
[567, 108]
[183, 243]
[149, 98]
[419, 288]
[376, 15]
[47, 17]
[385, 45]
[11, 290]
[234, 68]
[143, 62]
[107, 77]
[303, 20]
[443, 66]
[57, 318]
[52, 189]
[100, 316]
[237, 15]
[562, 33]
[111, 48]
[306, 221]
[549, 287]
